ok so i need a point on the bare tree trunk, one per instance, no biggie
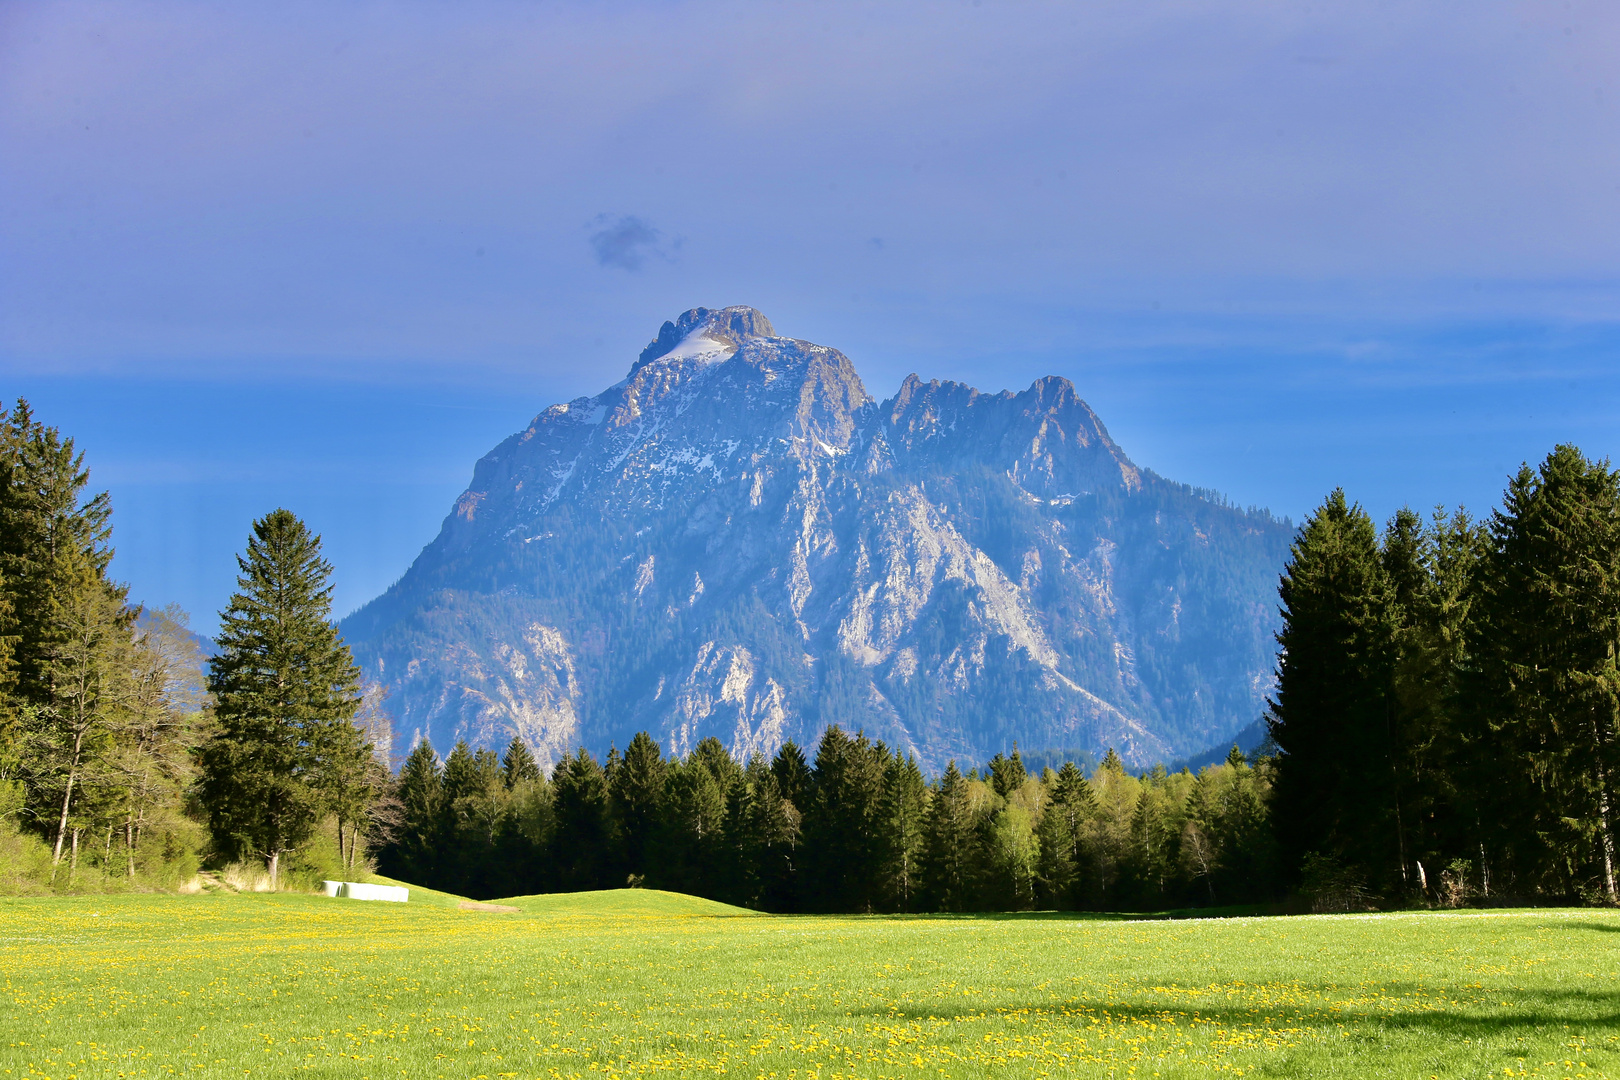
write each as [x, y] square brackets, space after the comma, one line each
[67, 799]
[129, 845]
[275, 870]
[140, 808]
[73, 867]
[1607, 835]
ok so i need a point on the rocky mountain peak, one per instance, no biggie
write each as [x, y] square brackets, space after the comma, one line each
[1045, 438]
[738, 541]
[726, 327]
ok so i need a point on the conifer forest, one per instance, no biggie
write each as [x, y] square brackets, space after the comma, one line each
[1442, 732]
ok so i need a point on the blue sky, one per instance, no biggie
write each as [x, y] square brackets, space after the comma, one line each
[326, 255]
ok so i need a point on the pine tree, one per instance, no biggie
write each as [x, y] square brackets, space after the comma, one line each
[1332, 716]
[54, 538]
[949, 845]
[1542, 690]
[518, 766]
[413, 853]
[691, 839]
[638, 795]
[64, 627]
[526, 834]
[1432, 574]
[581, 845]
[1007, 774]
[770, 842]
[458, 850]
[792, 774]
[1106, 831]
[1069, 804]
[282, 681]
[904, 821]
[843, 847]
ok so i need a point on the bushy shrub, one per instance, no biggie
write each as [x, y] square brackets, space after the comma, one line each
[25, 862]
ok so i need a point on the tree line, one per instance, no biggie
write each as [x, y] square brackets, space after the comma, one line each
[855, 828]
[1447, 697]
[1443, 729]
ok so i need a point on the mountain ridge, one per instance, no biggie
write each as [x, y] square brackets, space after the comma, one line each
[737, 540]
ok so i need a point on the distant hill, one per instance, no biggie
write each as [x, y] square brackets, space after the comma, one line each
[737, 540]
[621, 902]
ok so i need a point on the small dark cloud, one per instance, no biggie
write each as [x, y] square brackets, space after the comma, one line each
[626, 241]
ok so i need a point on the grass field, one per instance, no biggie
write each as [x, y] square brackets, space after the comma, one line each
[624, 984]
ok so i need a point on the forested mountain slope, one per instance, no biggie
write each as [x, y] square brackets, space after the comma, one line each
[738, 541]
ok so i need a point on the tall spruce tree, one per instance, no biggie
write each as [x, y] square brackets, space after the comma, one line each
[1541, 687]
[843, 844]
[1069, 804]
[692, 834]
[904, 820]
[1333, 710]
[518, 765]
[55, 539]
[283, 681]
[949, 847]
[792, 775]
[581, 847]
[638, 795]
[414, 852]
[64, 628]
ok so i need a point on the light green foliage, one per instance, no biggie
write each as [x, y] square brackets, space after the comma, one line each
[638, 983]
[99, 712]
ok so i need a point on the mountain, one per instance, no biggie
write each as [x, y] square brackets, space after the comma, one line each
[737, 540]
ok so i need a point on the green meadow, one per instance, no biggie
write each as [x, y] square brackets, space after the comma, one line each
[635, 983]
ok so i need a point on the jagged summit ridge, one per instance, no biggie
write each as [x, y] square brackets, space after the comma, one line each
[725, 328]
[737, 540]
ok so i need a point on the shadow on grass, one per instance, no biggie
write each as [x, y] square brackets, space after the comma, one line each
[1232, 912]
[1535, 1011]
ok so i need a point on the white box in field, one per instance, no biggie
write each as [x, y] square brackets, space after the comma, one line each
[356, 890]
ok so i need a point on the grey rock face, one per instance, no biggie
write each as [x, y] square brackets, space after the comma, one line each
[738, 541]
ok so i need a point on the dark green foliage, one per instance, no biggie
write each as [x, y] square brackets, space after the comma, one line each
[843, 851]
[792, 773]
[1443, 728]
[414, 852]
[55, 542]
[518, 766]
[1333, 715]
[1007, 774]
[283, 683]
[1062, 834]
[581, 850]
[949, 874]
[1540, 687]
[693, 818]
[903, 823]
[638, 797]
